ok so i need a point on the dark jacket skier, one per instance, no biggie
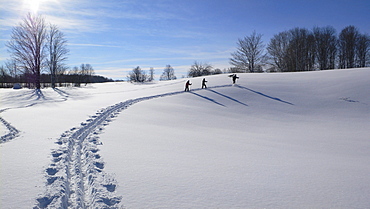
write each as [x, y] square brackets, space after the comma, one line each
[234, 78]
[204, 83]
[187, 84]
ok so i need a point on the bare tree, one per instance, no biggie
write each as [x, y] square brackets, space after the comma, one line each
[326, 47]
[56, 44]
[13, 69]
[293, 50]
[75, 76]
[278, 49]
[250, 53]
[74, 71]
[86, 72]
[137, 75]
[362, 50]
[347, 46]
[151, 74]
[200, 69]
[4, 76]
[301, 51]
[27, 46]
[82, 74]
[168, 74]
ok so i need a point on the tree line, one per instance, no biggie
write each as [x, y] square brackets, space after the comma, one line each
[75, 77]
[297, 49]
[139, 75]
[197, 69]
[300, 49]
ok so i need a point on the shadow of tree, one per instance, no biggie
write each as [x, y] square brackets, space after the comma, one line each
[39, 95]
[61, 92]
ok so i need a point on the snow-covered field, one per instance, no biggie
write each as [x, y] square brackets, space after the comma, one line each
[283, 140]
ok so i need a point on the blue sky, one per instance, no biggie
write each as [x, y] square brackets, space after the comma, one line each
[116, 36]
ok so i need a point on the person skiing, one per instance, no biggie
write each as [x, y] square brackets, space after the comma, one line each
[234, 77]
[187, 84]
[204, 83]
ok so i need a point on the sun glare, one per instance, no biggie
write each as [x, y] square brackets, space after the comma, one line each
[33, 5]
[36, 6]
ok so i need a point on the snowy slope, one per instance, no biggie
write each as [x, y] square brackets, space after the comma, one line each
[283, 140]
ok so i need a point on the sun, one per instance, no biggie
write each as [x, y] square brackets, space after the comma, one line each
[36, 6]
[33, 5]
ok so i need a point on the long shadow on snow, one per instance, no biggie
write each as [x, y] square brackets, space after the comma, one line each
[13, 132]
[207, 98]
[262, 94]
[61, 92]
[38, 93]
[235, 100]
[34, 94]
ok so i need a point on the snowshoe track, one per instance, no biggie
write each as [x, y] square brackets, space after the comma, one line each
[13, 132]
[76, 177]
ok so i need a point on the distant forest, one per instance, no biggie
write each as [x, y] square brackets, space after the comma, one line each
[294, 50]
[63, 80]
[301, 49]
[75, 77]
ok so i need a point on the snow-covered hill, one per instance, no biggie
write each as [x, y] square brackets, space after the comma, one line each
[283, 140]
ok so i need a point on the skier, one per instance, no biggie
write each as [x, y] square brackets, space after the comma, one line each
[234, 78]
[204, 83]
[187, 85]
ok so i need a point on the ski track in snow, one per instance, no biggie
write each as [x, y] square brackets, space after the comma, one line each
[13, 132]
[76, 177]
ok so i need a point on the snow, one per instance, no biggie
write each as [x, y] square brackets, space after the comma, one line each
[279, 140]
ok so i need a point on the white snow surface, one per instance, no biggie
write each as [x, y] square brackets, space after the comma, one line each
[279, 140]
